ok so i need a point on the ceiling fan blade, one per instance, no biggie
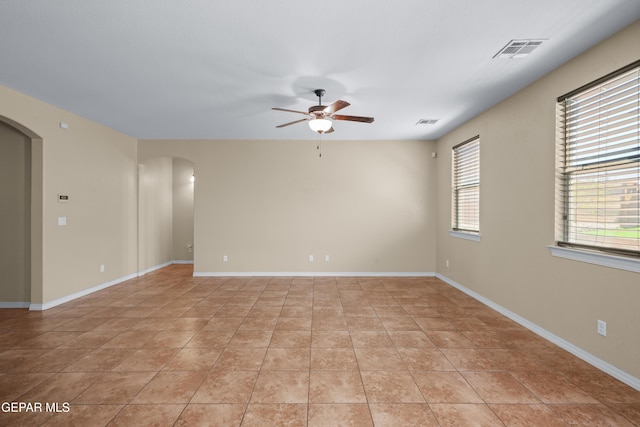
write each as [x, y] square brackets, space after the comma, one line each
[329, 131]
[353, 118]
[290, 111]
[338, 105]
[292, 123]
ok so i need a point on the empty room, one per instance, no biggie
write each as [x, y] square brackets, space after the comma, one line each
[355, 213]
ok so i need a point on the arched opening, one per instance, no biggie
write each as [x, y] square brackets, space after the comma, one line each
[165, 212]
[21, 215]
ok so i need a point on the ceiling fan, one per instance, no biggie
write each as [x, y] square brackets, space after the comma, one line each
[320, 116]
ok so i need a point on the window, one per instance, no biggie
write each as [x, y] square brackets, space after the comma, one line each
[465, 207]
[598, 164]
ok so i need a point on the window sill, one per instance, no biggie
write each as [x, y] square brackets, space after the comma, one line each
[462, 235]
[605, 260]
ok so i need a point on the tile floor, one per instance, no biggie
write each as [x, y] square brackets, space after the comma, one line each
[171, 349]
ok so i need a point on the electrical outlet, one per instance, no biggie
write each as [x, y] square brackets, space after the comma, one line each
[447, 263]
[602, 328]
[310, 258]
[101, 268]
[326, 258]
[225, 258]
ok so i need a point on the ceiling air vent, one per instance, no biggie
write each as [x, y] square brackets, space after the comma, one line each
[517, 49]
[427, 122]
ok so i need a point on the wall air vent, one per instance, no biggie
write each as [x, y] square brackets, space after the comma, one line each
[427, 122]
[517, 49]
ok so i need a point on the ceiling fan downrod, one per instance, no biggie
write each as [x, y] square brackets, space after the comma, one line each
[319, 93]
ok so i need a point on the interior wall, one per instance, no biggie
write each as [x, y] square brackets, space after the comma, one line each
[182, 208]
[268, 205]
[369, 205]
[155, 217]
[15, 215]
[512, 265]
[97, 168]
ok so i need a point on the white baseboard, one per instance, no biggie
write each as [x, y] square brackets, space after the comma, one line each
[560, 342]
[71, 297]
[310, 274]
[85, 292]
[154, 268]
[79, 294]
[182, 261]
[10, 304]
[617, 373]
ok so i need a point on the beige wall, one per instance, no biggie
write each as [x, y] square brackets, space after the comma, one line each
[155, 218]
[182, 209]
[15, 214]
[165, 220]
[512, 265]
[97, 168]
[372, 206]
[268, 205]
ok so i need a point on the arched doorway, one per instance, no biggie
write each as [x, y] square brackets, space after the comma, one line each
[21, 214]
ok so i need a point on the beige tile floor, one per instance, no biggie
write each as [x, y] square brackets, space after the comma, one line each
[171, 349]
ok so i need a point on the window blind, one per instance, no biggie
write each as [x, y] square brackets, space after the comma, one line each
[598, 162]
[466, 186]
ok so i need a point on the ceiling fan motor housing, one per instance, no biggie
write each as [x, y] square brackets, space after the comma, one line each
[317, 110]
[322, 113]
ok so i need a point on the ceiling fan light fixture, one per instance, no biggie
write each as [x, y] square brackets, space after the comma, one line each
[320, 125]
[320, 117]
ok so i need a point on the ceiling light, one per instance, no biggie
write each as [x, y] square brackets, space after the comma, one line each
[517, 49]
[320, 125]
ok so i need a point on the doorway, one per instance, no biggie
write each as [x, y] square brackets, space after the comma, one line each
[15, 217]
[165, 212]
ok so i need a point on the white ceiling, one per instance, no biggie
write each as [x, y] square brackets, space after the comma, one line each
[214, 68]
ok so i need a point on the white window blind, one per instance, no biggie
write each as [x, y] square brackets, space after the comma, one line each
[466, 186]
[598, 163]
